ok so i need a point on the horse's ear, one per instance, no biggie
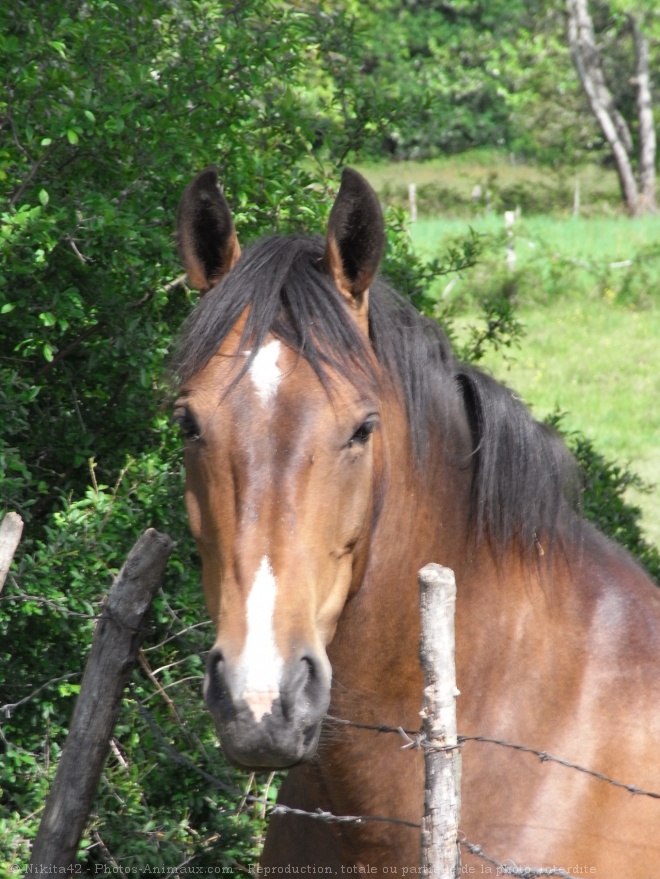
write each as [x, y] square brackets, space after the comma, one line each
[355, 242]
[205, 231]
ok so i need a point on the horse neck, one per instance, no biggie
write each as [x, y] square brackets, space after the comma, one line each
[422, 516]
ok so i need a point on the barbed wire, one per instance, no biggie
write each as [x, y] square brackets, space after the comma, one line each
[375, 727]
[417, 739]
[330, 818]
[278, 809]
[545, 757]
[411, 738]
[512, 869]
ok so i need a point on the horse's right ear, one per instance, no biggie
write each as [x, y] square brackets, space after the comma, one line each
[206, 235]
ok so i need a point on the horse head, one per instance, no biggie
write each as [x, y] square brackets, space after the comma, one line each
[281, 435]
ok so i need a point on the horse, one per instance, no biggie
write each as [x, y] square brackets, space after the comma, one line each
[333, 447]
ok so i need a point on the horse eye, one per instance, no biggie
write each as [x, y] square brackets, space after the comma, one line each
[187, 424]
[364, 431]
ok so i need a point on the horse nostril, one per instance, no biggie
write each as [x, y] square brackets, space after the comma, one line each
[216, 660]
[215, 685]
[292, 688]
[304, 687]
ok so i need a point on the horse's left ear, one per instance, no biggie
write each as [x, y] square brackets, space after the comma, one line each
[355, 242]
[205, 231]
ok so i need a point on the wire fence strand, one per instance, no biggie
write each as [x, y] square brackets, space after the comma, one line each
[417, 739]
[510, 868]
[544, 757]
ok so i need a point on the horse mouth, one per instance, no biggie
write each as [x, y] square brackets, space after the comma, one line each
[269, 744]
[269, 728]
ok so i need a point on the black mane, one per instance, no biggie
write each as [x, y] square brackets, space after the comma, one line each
[522, 472]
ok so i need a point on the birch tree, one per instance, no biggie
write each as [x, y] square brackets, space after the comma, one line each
[636, 172]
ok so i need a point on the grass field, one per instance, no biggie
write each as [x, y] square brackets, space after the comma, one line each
[600, 364]
[588, 295]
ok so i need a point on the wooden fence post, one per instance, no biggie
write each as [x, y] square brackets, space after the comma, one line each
[119, 633]
[412, 200]
[440, 849]
[509, 220]
[10, 535]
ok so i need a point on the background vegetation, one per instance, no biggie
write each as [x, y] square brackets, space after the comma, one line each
[107, 110]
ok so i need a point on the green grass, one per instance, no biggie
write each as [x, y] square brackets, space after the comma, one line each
[607, 238]
[600, 364]
[598, 241]
[590, 347]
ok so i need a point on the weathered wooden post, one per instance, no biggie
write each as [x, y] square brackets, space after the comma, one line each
[119, 633]
[412, 200]
[10, 535]
[440, 848]
[509, 220]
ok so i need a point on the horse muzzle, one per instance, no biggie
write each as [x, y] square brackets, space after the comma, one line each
[270, 727]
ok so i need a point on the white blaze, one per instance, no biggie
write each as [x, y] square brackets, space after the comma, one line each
[260, 665]
[264, 371]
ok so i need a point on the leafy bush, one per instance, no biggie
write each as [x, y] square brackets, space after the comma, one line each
[112, 106]
[604, 504]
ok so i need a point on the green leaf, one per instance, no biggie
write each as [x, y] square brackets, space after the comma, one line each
[43, 197]
[72, 136]
[59, 47]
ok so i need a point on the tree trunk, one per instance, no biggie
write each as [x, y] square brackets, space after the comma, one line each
[588, 64]
[647, 140]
